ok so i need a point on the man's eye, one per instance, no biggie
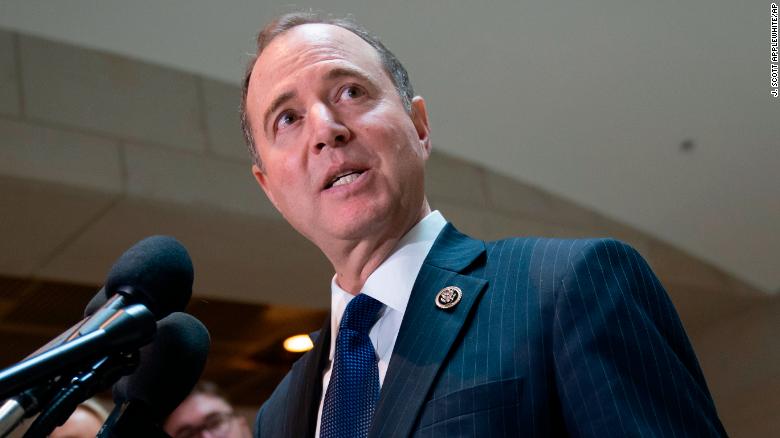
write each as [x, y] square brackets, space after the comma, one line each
[286, 119]
[351, 92]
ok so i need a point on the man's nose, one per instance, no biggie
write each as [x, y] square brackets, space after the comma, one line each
[327, 129]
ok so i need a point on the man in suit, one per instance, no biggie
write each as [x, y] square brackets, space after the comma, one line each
[433, 333]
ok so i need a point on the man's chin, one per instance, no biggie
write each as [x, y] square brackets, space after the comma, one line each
[356, 225]
[357, 230]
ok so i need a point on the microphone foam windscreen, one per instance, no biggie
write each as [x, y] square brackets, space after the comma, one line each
[170, 366]
[156, 272]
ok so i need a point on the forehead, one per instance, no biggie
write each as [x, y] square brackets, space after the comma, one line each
[310, 46]
[197, 406]
[208, 403]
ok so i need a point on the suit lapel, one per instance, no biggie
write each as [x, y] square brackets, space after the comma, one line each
[427, 333]
[303, 399]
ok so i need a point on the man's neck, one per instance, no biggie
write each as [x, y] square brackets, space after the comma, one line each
[356, 261]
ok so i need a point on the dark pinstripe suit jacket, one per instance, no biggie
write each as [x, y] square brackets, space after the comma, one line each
[552, 338]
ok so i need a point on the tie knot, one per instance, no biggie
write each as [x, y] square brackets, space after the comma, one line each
[360, 314]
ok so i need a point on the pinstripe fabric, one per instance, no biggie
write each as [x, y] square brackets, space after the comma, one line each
[552, 338]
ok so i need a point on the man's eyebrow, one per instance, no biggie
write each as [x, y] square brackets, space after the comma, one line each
[279, 101]
[341, 72]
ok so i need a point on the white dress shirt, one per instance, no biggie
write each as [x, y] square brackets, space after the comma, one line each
[391, 284]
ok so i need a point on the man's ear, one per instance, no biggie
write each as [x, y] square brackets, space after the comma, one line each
[260, 177]
[420, 119]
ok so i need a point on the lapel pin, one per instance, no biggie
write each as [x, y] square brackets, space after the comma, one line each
[448, 297]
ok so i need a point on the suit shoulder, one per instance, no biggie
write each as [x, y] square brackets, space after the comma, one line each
[576, 247]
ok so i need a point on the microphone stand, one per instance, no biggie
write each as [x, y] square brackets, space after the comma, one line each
[99, 376]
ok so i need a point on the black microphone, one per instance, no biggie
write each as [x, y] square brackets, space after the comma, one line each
[170, 367]
[156, 272]
[130, 328]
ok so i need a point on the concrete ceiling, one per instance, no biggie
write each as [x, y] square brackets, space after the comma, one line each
[589, 100]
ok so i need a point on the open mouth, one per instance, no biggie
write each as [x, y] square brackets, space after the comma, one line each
[344, 178]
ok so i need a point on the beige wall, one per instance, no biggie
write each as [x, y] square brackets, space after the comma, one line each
[98, 151]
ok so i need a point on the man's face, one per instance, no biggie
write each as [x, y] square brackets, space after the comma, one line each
[342, 158]
[203, 415]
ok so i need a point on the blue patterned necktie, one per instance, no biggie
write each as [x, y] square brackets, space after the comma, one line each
[354, 384]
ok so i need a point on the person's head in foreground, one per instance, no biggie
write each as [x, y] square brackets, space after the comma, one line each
[84, 422]
[338, 138]
[206, 413]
